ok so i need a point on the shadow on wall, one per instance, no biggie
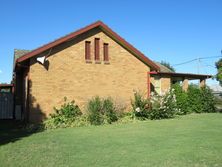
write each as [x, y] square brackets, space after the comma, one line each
[35, 115]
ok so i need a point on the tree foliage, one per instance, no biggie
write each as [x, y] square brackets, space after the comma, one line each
[219, 71]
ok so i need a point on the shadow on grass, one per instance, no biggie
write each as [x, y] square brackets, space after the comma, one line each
[12, 131]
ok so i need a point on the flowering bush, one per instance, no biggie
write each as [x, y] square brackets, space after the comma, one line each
[164, 106]
[157, 107]
[141, 106]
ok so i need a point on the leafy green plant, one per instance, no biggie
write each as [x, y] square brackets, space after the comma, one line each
[181, 98]
[63, 116]
[140, 106]
[200, 100]
[194, 99]
[94, 108]
[208, 100]
[101, 111]
[109, 110]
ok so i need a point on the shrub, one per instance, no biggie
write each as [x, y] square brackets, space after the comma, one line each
[164, 106]
[140, 106]
[101, 111]
[80, 121]
[68, 109]
[94, 109]
[109, 110]
[181, 98]
[64, 116]
[208, 100]
[194, 99]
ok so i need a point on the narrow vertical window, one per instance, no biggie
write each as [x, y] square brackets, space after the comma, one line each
[106, 52]
[87, 50]
[97, 49]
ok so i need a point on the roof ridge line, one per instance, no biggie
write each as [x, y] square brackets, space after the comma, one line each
[74, 34]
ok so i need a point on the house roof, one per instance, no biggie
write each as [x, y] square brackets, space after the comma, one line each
[73, 35]
[6, 85]
[183, 75]
[163, 68]
[19, 53]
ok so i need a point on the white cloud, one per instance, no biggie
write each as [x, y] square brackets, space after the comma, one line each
[1, 71]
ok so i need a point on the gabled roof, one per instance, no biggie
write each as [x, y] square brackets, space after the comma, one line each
[104, 28]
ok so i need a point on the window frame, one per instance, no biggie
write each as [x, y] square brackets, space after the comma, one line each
[88, 50]
[97, 49]
[105, 52]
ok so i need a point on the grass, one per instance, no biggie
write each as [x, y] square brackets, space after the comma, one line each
[192, 140]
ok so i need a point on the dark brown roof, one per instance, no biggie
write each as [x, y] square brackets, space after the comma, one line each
[103, 27]
[184, 75]
[6, 85]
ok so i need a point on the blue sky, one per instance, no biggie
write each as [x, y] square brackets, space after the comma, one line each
[174, 31]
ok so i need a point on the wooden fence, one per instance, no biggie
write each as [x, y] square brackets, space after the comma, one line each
[6, 105]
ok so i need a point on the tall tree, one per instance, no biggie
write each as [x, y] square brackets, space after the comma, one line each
[168, 65]
[219, 71]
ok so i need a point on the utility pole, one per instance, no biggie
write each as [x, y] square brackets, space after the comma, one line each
[198, 65]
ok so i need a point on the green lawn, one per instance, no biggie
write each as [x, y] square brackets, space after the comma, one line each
[192, 140]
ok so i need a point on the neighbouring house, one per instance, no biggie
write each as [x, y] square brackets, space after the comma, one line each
[217, 91]
[8, 88]
[91, 61]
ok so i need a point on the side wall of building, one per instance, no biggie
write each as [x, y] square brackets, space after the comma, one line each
[67, 74]
[160, 84]
[165, 83]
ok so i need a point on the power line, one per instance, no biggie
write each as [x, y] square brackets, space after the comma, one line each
[201, 58]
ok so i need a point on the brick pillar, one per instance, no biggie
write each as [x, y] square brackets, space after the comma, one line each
[185, 84]
[202, 82]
